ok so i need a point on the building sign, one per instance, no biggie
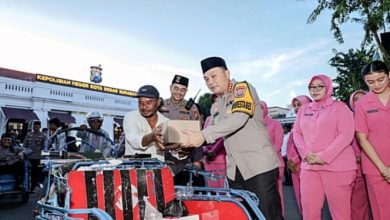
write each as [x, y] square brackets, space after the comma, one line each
[83, 85]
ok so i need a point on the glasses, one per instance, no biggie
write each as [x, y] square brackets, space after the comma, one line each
[316, 88]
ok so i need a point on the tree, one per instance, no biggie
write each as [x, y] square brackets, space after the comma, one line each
[348, 66]
[280, 115]
[372, 14]
[205, 104]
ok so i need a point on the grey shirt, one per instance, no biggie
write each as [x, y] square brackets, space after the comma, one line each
[247, 143]
[92, 142]
[36, 141]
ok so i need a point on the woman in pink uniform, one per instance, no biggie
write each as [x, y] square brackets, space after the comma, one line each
[294, 160]
[323, 132]
[215, 158]
[372, 119]
[359, 202]
[275, 131]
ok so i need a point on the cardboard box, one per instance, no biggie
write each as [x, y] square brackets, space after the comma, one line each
[172, 130]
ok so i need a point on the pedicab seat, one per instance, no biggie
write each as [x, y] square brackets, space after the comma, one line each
[120, 192]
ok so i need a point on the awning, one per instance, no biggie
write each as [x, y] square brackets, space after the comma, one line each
[119, 121]
[64, 118]
[19, 113]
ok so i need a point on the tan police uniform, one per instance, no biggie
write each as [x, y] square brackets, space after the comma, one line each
[177, 110]
[36, 141]
[238, 118]
[177, 159]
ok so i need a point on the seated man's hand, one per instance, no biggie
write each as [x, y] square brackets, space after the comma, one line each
[159, 144]
[194, 139]
[156, 131]
[158, 138]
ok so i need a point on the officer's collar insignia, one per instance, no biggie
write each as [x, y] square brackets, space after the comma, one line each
[230, 87]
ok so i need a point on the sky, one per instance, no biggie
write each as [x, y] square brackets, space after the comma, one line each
[139, 42]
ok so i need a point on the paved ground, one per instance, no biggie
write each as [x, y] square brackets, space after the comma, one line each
[12, 209]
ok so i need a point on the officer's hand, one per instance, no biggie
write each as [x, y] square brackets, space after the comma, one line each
[194, 139]
[21, 155]
[83, 127]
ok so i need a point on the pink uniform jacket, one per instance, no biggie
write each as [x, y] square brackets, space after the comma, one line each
[275, 131]
[359, 200]
[292, 152]
[355, 144]
[373, 119]
[326, 128]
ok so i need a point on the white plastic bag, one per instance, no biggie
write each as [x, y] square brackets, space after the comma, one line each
[151, 213]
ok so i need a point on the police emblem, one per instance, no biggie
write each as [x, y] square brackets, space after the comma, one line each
[178, 79]
[96, 74]
[239, 91]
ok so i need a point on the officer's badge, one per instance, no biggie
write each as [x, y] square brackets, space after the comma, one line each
[164, 109]
[230, 87]
[239, 91]
[243, 100]
[177, 80]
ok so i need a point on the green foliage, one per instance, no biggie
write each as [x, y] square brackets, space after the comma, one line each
[372, 14]
[205, 104]
[279, 116]
[348, 66]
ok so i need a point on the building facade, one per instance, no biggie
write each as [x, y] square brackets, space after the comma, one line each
[278, 112]
[25, 97]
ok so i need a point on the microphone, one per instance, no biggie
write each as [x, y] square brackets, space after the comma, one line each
[191, 102]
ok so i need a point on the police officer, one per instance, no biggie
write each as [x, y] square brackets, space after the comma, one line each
[174, 108]
[252, 163]
[36, 141]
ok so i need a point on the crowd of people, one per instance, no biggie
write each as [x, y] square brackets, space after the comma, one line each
[334, 152]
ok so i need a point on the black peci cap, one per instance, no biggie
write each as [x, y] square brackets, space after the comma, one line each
[180, 80]
[37, 123]
[148, 91]
[212, 62]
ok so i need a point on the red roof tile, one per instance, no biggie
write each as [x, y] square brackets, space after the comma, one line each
[17, 74]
